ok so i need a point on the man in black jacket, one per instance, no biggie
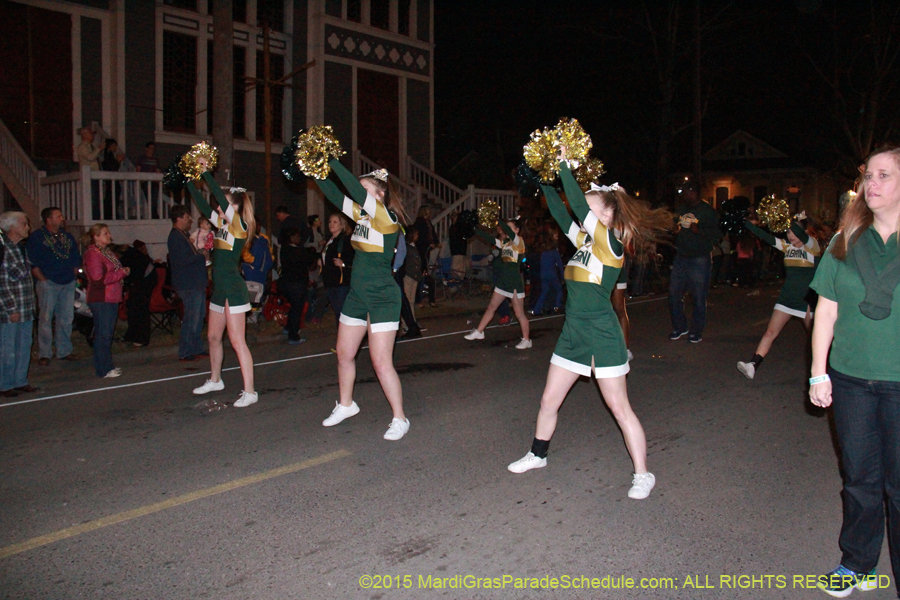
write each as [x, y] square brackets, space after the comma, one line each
[188, 265]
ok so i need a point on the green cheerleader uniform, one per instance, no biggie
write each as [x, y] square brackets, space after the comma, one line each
[799, 268]
[591, 330]
[512, 251]
[374, 293]
[228, 283]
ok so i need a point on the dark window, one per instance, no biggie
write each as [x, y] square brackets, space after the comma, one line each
[209, 85]
[240, 96]
[185, 4]
[271, 12]
[354, 11]
[238, 10]
[403, 17]
[276, 71]
[742, 149]
[333, 8]
[423, 14]
[179, 82]
[380, 16]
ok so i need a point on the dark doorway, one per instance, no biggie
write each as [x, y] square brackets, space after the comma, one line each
[378, 118]
[36, 71]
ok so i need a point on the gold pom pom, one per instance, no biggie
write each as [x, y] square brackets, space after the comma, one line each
[489, 213]
[577, 142]
[774, 213]
[542, 152]
[315, 147]
[200, 158]
[589, 172]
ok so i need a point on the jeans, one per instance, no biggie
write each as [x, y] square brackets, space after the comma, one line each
[689, 275]
[336, 297]
[59, 301]
[105, 316]
[867, 420]
[190, 339]
[406, 312]
[15, 354]
[547, 287]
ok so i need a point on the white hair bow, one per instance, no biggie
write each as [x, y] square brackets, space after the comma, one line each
[604, 188]
[238, 190]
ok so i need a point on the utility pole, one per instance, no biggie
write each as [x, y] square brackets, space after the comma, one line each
[267, 84]
[223, 89]
[698, 106]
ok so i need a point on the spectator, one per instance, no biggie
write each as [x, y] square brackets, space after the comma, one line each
[87, 157]
[459, 261]
[551, 276]
[139, 283]
[149, 163]
[336, 263]
[204, 237]
[16, 305]
[696, 232]
[188, 268]
[412, 272]
[289, 223]
[55, 260]
[315, 242]
[104, 275]
[111, 160]
[256, 262]
[428, 238]
[293, 281]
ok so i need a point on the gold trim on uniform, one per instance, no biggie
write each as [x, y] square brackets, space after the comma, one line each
[229, 230]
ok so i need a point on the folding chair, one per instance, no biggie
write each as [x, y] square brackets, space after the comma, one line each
[165, 305]
[453, 284]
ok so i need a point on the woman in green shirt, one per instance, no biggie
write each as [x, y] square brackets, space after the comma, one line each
[858, 320]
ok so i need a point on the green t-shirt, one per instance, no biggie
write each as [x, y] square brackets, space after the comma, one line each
[862, 347]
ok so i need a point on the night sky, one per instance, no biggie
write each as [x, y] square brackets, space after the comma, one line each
[503, 69]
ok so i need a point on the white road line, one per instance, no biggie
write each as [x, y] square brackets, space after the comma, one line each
[271, 362]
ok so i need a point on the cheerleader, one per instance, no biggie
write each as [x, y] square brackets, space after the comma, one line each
[591, 341]
[230, 299]
[800, 254]
[373, 304]
[509, 280]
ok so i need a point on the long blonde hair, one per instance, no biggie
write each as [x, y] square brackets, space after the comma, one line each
[634, 218]
[392, 198]
[857, 215]
[244, 207]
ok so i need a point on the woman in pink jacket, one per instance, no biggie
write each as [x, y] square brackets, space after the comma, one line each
[104, 293]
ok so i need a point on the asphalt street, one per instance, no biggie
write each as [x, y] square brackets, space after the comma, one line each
[133, 492]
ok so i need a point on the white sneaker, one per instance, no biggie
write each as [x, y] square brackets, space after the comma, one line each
[523, 345]
[210, 386]
[397, 429]
[114, 373]
[641, 485]
[630, 356]
[748, 369]
[475, 335]
[527, 462]
[246, 399]
[340, 413]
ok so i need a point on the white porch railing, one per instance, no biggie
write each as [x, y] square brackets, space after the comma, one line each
[434, 185]
[19, 173]
[471, 199]
[88, 196]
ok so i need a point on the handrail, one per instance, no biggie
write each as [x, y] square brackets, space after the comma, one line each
[434, 184]
[26, 184]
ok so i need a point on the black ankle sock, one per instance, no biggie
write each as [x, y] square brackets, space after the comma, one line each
[539, 447]
[757, 360]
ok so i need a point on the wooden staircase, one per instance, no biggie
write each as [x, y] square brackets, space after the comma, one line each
[20, 176]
